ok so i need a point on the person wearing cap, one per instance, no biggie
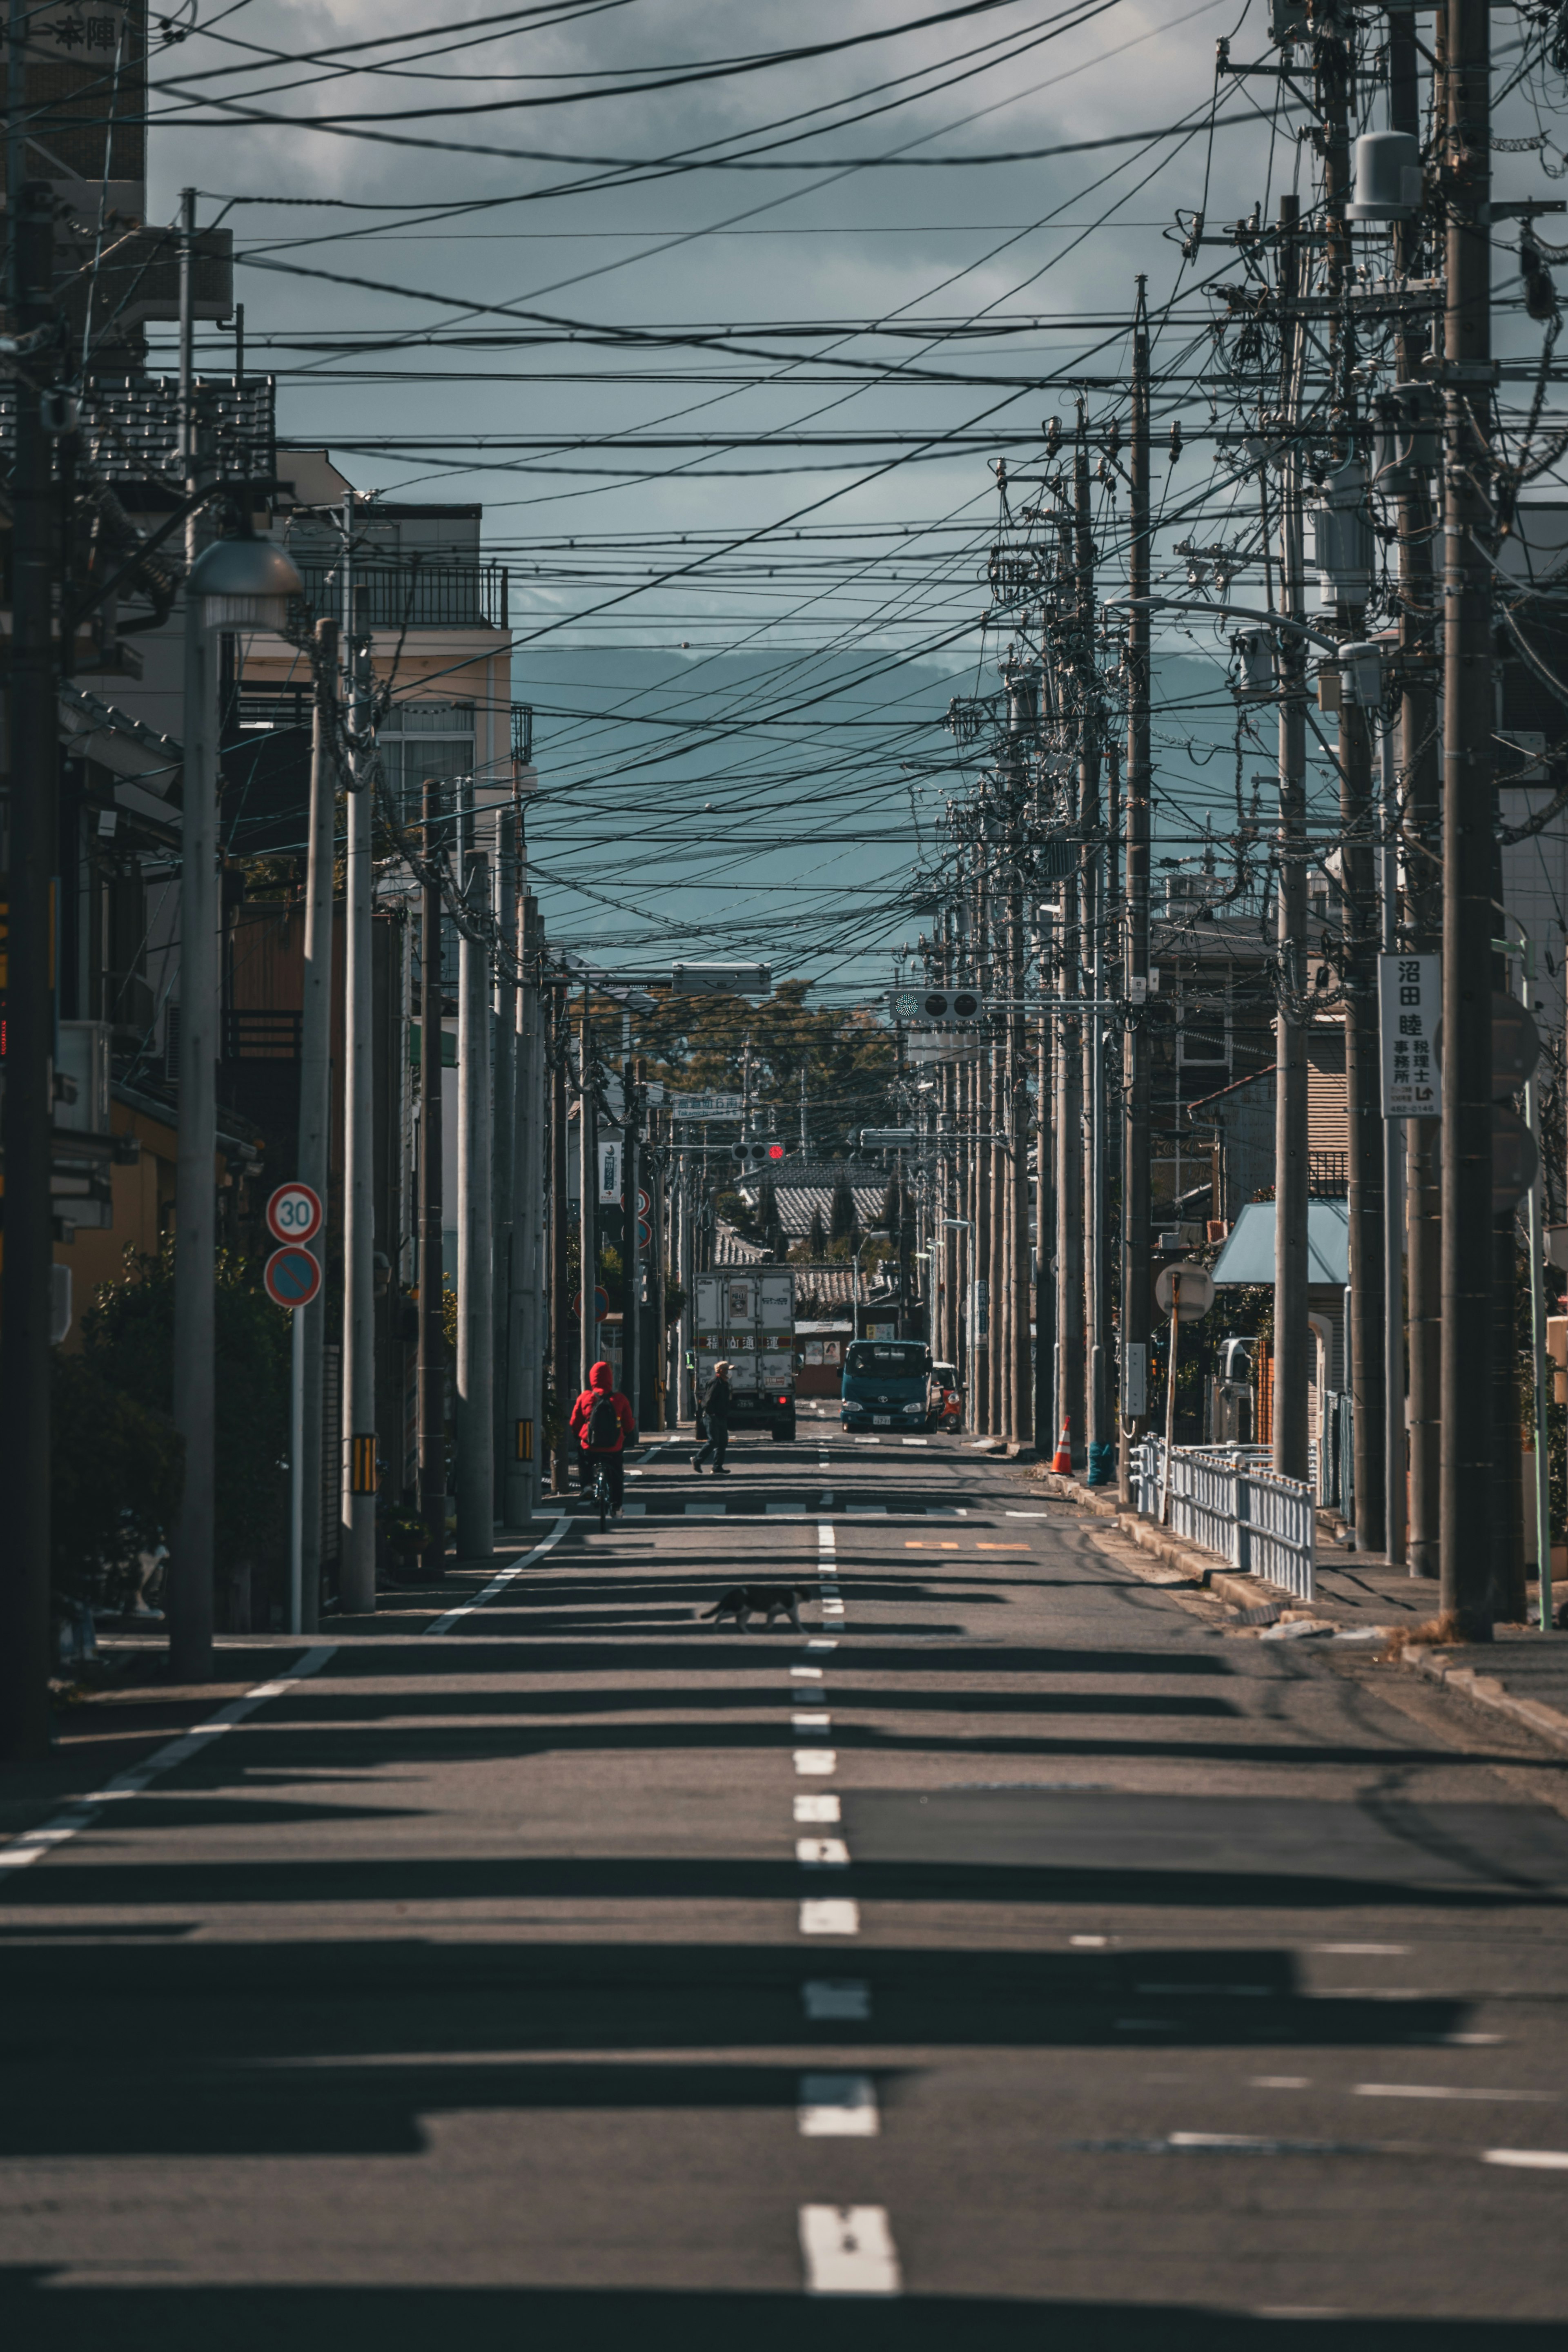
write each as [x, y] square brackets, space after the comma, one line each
[715, 1417]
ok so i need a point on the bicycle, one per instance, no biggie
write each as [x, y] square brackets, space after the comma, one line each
[599, 1491]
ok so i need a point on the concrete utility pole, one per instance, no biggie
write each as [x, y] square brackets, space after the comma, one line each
[525, 1331]
[475, 1267]
[984, 1307]
[588, 1203]
[28, 1115]
[1291, 1186]
[357, 1564]
[631, 1261]
[1090, 920]
[1466, 374]
[1044, 1205]
[315, 1095]
[1136, 1213]
[1423, 901]
[189, 1603]
[504, 1144]
[1357, 825]
[559, 1187]
[431, 1320]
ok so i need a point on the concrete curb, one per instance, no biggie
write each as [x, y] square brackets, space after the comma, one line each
[1194, 1565]
[1489, 1690]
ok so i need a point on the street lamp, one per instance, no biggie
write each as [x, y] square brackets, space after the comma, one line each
[235, 584]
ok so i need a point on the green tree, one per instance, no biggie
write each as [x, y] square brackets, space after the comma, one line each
[128, 1335]
[116, 1470]
[702, 1043]
[844, 1224]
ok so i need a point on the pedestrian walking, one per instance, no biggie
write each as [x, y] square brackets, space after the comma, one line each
[716, 1420]
[602, 1421]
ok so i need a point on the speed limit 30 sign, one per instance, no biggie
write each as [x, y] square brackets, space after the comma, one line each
[293, 1213]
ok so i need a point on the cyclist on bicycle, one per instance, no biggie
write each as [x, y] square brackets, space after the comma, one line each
[602, 1421]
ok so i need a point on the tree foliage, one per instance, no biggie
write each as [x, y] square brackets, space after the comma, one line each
[128, 1337]
[699, 1045]
[117, 1465]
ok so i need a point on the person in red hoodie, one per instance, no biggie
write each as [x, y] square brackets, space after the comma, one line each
[602, 1421]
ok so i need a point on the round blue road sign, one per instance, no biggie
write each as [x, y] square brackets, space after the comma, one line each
[292, 1276]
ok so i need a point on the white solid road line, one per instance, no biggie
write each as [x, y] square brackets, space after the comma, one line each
[829, 1916]
[499, 1583]
[81, 1813]
[837, 2107]
[825, 1854]
[1528, 2159]
[1445, 2090]
[816, 1759]
[849, 2249]
[829, 1999]
[817, 1808]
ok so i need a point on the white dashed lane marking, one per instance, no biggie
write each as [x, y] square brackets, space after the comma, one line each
[837, 2107]
[817, 1808]
[832, 2001]
[808, 1674]
[816, 1759]
[829, 1916]
[849, 2249]
[1528, 2159]
[822, 1854]
[811, 1722]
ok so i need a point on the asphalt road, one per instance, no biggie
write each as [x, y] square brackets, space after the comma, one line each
[1020, 1955]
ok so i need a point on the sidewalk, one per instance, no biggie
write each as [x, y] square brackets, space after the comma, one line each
[1522, 1672]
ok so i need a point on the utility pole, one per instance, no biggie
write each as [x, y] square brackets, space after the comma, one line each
[1291, 1185]
[357, 1566]
[1044, 1205]
[1347, 490]
[1466, 375]
[188, 1605]
[476, 1270]
[1090, 916]
[525, 1332]
[587, 1208]
[29, 1115]
[1135, 1293]
[316, 1099]
[560, 1186]
[505, 1246]
[1422, 906]
[631, 1261]
[431, 1320]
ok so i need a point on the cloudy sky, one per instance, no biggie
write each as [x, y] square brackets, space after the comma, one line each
[729, 342]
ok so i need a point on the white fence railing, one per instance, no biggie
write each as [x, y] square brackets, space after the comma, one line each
[1229, 1501]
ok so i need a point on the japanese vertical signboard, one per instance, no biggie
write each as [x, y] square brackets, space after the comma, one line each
[1410, 994]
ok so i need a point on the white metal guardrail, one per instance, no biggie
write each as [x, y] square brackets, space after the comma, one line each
[1226, 1500]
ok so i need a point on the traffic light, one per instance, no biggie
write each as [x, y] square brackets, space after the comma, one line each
[946, 1008]
[756, 1155]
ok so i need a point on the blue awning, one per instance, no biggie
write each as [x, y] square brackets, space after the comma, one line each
[1249, 1256]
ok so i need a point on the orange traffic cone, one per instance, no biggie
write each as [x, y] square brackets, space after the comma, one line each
[1061, 1460]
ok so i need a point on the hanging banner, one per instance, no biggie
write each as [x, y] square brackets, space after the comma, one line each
[1410, 999]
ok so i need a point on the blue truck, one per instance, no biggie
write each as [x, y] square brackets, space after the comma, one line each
[884, 1384]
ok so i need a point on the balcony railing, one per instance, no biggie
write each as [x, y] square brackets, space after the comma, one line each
[254, 1033]
[414, 594]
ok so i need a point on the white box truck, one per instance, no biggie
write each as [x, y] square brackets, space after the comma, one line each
[751, 1319]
